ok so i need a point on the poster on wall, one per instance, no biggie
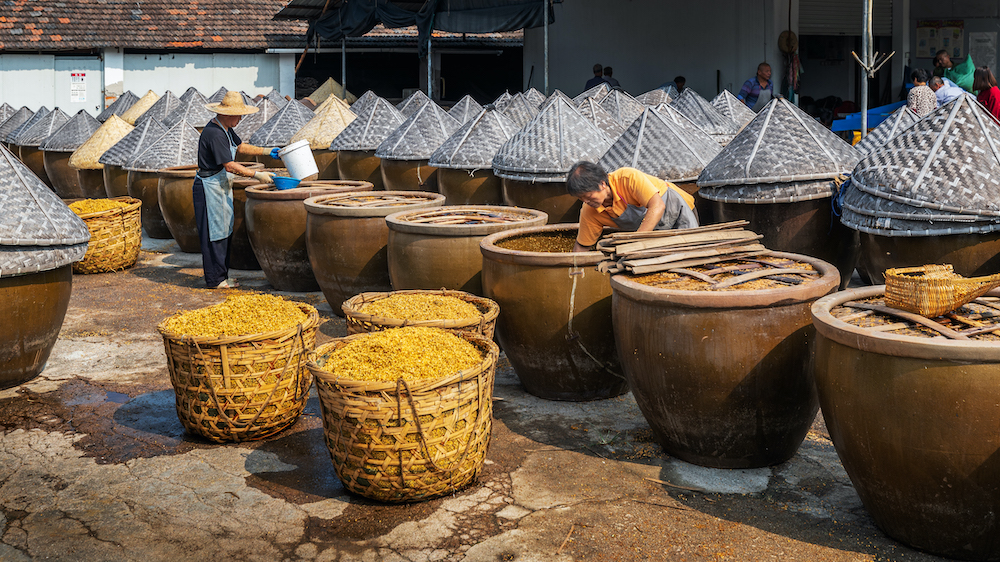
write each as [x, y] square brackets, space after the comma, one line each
[934, 35]
[983, 48]
[78, 87]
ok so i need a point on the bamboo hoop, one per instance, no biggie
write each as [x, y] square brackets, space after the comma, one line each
[358, 322]
[241, 388]
[392, 448]
[115, 238]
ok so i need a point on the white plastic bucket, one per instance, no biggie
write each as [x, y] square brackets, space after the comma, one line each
[298, 158]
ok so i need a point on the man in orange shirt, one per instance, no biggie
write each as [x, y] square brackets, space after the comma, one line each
[626, 199]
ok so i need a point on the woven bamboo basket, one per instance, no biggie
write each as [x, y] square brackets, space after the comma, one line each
[359, 322]
[115, 238]
[933, 290]
[401, 442]
[241, 388]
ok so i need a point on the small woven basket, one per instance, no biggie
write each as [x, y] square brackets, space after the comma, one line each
[241, 388]
[402, 442]
[933, 290]
[115, 238]
[358, 322]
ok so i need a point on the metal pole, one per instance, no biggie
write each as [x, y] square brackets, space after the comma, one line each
[430, 70]
[343, 65]
[545, 15]
[866, 62]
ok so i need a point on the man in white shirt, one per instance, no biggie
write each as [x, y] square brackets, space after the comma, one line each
[944, 89]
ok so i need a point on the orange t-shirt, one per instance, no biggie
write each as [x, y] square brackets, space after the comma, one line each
[628, 187]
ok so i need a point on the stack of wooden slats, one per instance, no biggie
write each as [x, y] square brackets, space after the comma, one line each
[664, 250]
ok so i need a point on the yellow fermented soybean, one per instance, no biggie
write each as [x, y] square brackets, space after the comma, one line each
[87, 206]
[421, 307]
[408, 353]
[240, 315]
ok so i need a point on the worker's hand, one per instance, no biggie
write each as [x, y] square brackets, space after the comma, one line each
[264, 177]
[274, 153]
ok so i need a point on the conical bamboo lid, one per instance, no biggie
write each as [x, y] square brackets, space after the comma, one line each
[332, 117]
[86, 157]
[140, 107]
[332, 88]
[71, 134]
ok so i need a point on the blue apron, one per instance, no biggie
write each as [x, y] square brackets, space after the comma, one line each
[219, 200]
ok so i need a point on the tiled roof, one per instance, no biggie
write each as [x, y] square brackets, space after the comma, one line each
[384, 36]
[34, 25]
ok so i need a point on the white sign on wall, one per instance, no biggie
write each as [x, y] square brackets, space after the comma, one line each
[983, 48]
[78, 87]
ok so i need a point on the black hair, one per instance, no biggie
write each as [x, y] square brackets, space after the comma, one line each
[983, 79]
[598, 68]
[919, 75]
[680, 80]
[607, 71]
[585, 177]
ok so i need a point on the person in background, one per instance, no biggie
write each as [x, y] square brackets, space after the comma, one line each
[218, 146]
[961, 73]
[921, 99]
[753, 87]
[678, 84]
[945, 90]
[627, 199]
[597, 79]
[989, 95]
[607, 78]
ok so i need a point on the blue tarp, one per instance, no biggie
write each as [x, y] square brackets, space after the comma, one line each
[875, 116]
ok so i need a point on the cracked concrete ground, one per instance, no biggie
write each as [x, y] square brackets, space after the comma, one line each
[94, 466]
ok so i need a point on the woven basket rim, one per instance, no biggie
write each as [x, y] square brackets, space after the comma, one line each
[488, 308]
[312, 320]
[490, 356]
[133, 204]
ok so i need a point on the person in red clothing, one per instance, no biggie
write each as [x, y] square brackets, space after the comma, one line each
[989, 95]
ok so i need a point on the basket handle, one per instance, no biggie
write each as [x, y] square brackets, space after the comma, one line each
[267, 401]
[420, 430]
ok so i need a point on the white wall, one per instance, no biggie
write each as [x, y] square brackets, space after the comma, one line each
[251, 73]
[648, 42]
[37, 80]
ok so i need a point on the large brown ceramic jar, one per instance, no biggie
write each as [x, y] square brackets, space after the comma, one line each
[91, 184]
[914, 421]
[555, 317]
[429, 255]
[724, 378]
[409, 175]
[972, 255]
[34, 308]
[361, 165]
[326, 161]
[144, 186]
[470, 187]
[803, 227]
[33, 158]
[176, 200]
[115, 180]
[276, 225]
[550, 198]
[347, 242]
[64, 179]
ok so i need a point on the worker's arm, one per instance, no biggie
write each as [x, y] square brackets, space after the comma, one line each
[578, 248]
[654, 212]
[251, 150]
[234, 167]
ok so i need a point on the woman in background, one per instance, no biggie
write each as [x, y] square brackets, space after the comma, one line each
[921, 99]
[989, 95]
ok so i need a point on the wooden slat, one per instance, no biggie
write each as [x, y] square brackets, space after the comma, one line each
[679, 231]
[916, 318]
[757, 275]
[678, 256]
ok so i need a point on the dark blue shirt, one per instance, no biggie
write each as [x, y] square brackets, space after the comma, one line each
[595, 81]
[751, 91]
[214, 149]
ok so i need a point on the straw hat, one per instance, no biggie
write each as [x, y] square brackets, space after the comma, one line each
[232, 104]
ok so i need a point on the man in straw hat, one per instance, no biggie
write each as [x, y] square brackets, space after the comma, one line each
[213, 190]
[627, 199]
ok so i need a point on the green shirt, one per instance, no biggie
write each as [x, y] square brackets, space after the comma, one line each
[962, 73]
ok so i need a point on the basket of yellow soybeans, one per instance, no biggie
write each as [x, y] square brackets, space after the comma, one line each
[407, 412]
[449, 310]
[115, 233]
[238, 368]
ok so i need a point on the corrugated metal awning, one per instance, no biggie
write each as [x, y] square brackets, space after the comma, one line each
[841, 17]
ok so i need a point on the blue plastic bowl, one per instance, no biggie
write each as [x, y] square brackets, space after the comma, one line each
[282, 182]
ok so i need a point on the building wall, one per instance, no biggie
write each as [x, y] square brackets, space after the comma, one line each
[251, 73]
[34, 80]
[978, 15]
[648, 42]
